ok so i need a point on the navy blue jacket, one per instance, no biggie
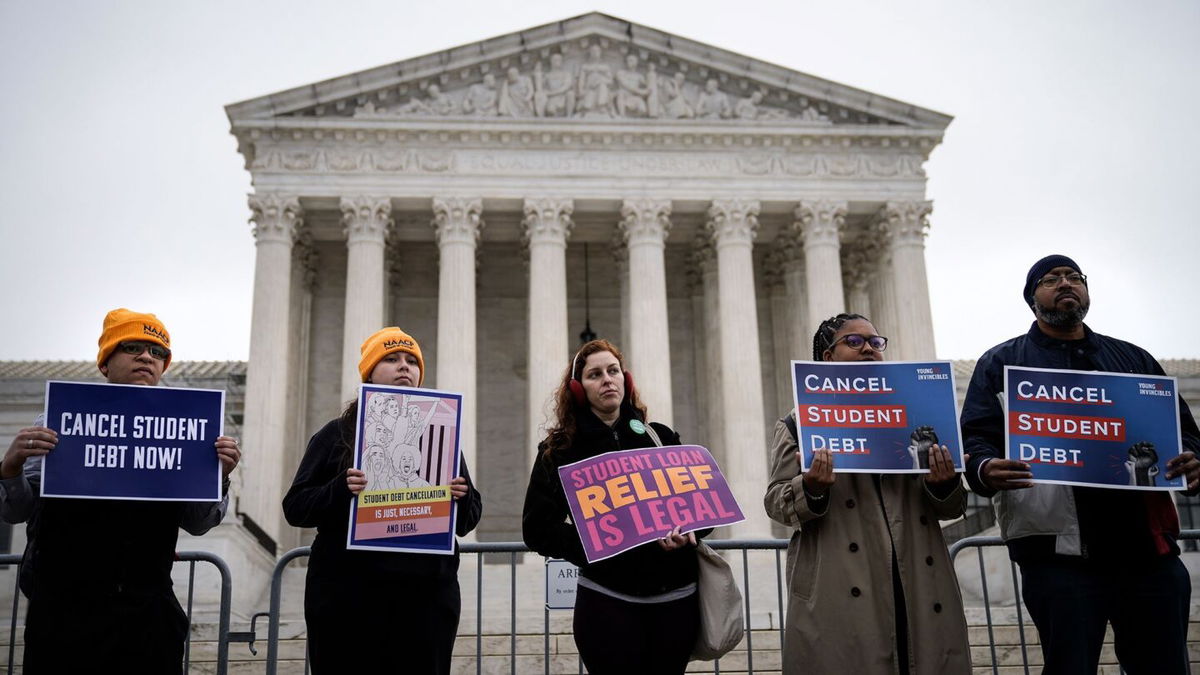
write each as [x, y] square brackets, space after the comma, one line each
[1149, 519]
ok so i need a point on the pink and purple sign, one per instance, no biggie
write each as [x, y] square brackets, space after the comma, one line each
[624, 499]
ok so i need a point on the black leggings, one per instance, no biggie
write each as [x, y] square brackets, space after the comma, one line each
[614, 636]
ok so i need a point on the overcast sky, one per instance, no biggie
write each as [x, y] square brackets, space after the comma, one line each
[1075, 131]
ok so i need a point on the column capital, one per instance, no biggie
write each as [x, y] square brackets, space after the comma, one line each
[275, 217]
[547, 220]
[904, 223]
[306, 260]
[856, 268]
[645, 221]
[733, 221]
[701, 257]
[366, 218]
[457, 220]
[820, 222]
[773, 269]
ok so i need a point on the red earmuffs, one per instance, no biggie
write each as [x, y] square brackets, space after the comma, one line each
[576, 385]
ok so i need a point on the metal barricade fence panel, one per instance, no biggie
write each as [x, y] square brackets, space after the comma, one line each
[776, 546]
[518, 593]
[979, 544]
[188, 557]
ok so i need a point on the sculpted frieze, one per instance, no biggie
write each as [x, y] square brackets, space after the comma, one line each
[592, 82]
[368, 159]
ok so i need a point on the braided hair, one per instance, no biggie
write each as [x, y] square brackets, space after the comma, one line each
[823, 339]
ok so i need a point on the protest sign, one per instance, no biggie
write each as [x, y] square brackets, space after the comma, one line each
[120, 441]
[626, 498]
[874, 416]
[1074, 427]
[407, 444]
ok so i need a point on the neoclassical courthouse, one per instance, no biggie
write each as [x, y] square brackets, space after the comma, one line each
[702, 209]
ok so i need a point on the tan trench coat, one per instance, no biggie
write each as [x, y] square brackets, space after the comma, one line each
[841, 608]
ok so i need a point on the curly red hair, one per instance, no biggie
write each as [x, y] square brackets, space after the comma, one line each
[562, 434]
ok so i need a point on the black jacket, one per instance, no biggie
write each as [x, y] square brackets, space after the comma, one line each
[319, 498]
[546, 526]
[1111, 523]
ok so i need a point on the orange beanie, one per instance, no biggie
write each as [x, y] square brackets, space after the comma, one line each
[123, 325]
[384, 342]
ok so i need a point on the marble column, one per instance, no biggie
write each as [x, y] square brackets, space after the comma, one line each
[881, 291]
[858, 300]
[457, 223]
[695, 286]
[276, 219]
[644, 225]
[708, 359]
[733, 224]
[304, 264]
[820, 224]
[795, 283]
[366, 221]
[781, 331]
[620, 256]
[906, 224]
[547, 225]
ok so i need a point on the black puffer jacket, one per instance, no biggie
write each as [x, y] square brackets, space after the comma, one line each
[546, 525]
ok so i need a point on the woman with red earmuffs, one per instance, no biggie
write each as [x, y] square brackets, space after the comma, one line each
[637, 611]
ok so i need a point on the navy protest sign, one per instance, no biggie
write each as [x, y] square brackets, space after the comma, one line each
[118, 441]
[1076, 427]
[876, 417]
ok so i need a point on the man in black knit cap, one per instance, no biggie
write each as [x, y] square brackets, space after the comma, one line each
[1088, 556]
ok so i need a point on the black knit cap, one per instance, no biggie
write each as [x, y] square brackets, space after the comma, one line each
[1039, 270]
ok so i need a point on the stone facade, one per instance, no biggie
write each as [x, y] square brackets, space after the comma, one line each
[726, 206]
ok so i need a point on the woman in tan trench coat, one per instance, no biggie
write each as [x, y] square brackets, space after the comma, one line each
[871, 586]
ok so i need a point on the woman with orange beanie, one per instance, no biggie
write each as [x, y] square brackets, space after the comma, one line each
[345, 589]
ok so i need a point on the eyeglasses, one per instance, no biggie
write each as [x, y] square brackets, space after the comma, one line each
[136, 348]
[856, 341]
[1051, 280]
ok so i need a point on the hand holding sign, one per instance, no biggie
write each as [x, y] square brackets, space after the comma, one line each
[356, 480]
[819, 477]
[228, 453]
[1187, 465]
[941, 466]
[459, 488]
[1006, 474]
[675, 540]
[30, 442]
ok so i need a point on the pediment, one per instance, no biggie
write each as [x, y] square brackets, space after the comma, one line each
[589, 68]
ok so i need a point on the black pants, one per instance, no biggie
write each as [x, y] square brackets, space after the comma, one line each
[1071, 601]
[614, 636]
[407, 626]
[132, 633]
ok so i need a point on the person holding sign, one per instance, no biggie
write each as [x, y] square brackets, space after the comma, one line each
[98, 572]
[1088, 555]
[356, 602]
[636, 611]
[872, 586]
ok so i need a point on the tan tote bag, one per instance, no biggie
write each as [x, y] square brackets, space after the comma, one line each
[721, 614]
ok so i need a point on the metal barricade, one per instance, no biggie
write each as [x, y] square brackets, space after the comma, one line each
[189, 557]
[979, 543]
[479, 549]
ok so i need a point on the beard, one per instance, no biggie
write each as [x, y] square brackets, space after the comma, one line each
[1061, 318]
